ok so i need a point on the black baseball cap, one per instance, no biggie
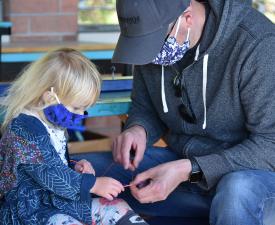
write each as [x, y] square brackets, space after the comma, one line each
[144, 25]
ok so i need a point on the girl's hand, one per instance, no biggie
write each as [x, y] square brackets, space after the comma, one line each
[107, 187]
[83, 166]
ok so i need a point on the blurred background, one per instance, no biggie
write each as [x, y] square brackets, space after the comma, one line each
[65, 20]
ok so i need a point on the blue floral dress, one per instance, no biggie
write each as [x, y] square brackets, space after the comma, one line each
[34, 182]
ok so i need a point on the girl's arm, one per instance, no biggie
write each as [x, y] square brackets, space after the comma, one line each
[61, 180]
[29, 149]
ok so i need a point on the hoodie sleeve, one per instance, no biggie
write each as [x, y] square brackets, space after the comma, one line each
[142, 112]
[257, 94]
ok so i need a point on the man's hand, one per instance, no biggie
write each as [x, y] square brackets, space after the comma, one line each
[163, 180]
[83, 166]
[107, 187]
[133, 138]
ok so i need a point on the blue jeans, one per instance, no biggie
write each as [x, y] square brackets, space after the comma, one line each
[240, 198]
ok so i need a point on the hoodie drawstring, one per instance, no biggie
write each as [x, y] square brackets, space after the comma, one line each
[197, 53]
[163, 97]
[204, 84]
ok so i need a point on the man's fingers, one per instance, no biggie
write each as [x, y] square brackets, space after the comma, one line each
[125, 149]
[138, 156]
[143, 195]
[132, 167]
[142, 177]
[116, 150]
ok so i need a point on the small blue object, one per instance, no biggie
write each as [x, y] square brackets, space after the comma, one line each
[32, 56]
[109, 103]
[5, 24]
[117, 85]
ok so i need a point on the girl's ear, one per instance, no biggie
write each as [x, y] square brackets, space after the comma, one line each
[48, 97]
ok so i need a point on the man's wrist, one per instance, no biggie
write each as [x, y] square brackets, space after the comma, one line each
[196, 172]
[184, 169]
[140, 130]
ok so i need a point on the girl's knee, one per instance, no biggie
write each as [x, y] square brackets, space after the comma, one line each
[61, 219]
[104, 210]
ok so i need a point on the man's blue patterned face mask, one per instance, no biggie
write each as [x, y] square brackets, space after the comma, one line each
[60, 116]
[172, 51]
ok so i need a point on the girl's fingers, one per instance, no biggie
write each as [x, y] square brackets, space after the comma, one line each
[118, 185]
[109, 197]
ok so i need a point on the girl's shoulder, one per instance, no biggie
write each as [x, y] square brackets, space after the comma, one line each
[21, 143]
[25, 130]
[26, 135]
[26, 124]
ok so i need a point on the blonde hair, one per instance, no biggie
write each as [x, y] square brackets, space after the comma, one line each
[72, 76]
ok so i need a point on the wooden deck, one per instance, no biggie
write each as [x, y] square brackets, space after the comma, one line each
[28, 52]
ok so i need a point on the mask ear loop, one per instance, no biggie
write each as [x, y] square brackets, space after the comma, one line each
[178, 25]
[188, 31]
[188, 34]
[57, 99]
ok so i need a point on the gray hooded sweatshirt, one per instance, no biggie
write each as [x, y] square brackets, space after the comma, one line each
[231, 86]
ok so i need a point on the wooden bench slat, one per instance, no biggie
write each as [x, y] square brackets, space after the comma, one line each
[32, 56]
[90, 146]
[5, 27]
[108, 104]
[45, 47]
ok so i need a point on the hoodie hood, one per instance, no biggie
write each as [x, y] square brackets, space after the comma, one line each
[222, 18]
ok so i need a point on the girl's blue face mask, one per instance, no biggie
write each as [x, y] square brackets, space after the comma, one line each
[60, 116]
[172, 51]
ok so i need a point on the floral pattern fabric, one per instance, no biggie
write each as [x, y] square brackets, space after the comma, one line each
[34, 181]
[103, 212]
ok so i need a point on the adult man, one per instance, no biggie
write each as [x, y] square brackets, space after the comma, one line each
[205, 81]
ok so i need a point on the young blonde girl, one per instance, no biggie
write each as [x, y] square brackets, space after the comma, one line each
[38, 184]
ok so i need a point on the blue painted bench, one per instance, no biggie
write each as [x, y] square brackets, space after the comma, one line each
[15, 56]
[32, 56]
[29, 52]
[5, 27]
[114, 98]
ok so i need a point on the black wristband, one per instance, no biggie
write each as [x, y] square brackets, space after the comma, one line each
[196, 173]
